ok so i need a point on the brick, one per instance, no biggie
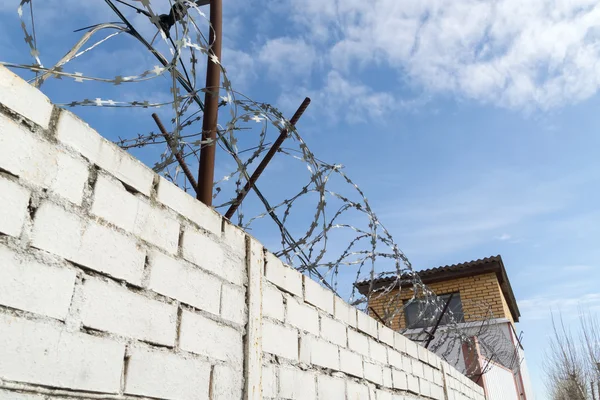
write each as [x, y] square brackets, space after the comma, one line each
[165, 375]
[366, 324]
[423, 354]
[377, 352]
[234, 238]
[280, 340]
[424, 387]
[302, 316]
[437, 392]
[135, 215]
[10, 395]
[385, 334]
[112, 308]
[333, 331]
[357, 391]
[186, 205]
[41, 163]
[394, 358]
[317, 295]
[296, 384]
[373, 372]
[24, 99]
[272, 303]
[428, 373]
[387, 377]
[400, 342]
[269, 381]
[282, 276]
[412, 349]
[438, 378]
[209, 338]
[412, 384]
[417, 368]
[227, 383]
[208, 253]
[381, 395]
[33, 352]
[358, 342]
[31, 286]
[78, 135]
[399, 380]
[319, 352]
[14, 200]
[233, 304]
[351, 363]
[330, 388]
[184, 282]
[87, 243]
[344, 312]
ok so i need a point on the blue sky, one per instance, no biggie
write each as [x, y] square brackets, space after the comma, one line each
[471, 125]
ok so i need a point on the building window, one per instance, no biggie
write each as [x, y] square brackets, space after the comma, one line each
[420, 314]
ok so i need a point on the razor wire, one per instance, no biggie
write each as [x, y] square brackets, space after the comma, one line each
[326, 226]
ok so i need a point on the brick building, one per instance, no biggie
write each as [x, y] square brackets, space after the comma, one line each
[482, 307]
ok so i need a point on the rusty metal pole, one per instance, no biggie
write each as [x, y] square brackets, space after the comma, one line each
[206, 169]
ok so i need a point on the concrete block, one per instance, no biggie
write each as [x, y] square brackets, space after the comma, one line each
[297, 384]
[37, 353]
[385, 334]
[184, 282]
[234, 238]
[394, 358]
[78, 135]
[334, 331]
[318, 352]
[412, 384]
[417, 368]
[373, 372]
[208, 253]
[253, 339]
[400, 342]
[164, 375]
[206, 337]
[233, 304]
[437, 392]
[377, 352]
[351, 363]
[40, 162]
[407, 363]
[87, 243]
[14, 200]
[423, 354]
[366, 324]
[357, 391]
[30, 286]
[412, 349]
[269, 382]
[282, 276]
[438, 378]
[358, 342]
[24, 99]
[112, 308]
[428, 373]
[227, 383]
[280, 340]
[134, 214]
[424, 388]
[399, 379]
[272, 303]
[344, 312]
[10, 395]
[188, 206]
[301, 316]
[387, 377]
[330, 388]
[317, 295]
[382, 395]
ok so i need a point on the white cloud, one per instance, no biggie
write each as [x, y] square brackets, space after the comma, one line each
[504, 237]
[533, 54]
[287, 58]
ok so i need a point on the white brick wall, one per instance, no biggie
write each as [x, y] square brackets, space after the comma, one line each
[98, 293]
[31, 286]
[164, 375]
[38, 353]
